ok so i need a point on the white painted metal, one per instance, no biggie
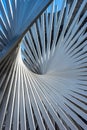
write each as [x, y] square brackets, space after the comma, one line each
[43, 74]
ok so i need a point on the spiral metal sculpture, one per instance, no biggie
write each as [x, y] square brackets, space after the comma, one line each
[43, 65]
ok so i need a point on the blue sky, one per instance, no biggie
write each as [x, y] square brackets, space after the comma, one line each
[58, 3]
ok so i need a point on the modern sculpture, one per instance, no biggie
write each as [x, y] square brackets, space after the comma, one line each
[43, 67]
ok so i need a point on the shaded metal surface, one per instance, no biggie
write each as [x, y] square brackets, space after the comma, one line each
[43, 84]
[15, 19]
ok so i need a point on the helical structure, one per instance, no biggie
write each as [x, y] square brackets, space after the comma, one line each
[43, 65]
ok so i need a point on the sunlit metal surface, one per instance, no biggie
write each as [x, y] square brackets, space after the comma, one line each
[43, 80]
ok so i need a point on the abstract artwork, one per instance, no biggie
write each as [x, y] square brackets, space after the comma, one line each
[43, 65]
